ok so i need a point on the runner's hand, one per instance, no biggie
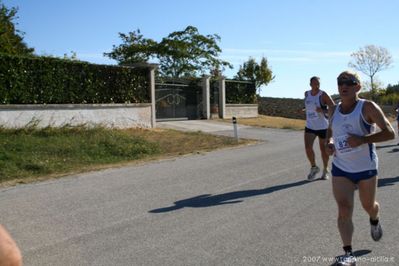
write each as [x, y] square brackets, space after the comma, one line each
[330, 149]
[354, 140]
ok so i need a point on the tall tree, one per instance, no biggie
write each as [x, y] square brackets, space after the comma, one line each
[181, 53]
[188, 53]
[370, 60]
[261, 74]
[134, 49]
[11, 39]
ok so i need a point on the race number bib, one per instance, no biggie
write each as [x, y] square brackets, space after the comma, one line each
[342, 146]
[312, 115]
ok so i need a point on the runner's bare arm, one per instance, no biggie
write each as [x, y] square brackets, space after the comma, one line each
[328, 100]
[373, 114]
[9, 251]
[330, 148]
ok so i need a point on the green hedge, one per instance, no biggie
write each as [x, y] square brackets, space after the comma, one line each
[240, 92]
[237, 92]
[46, 80]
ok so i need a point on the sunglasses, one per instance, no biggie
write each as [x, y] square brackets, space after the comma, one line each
[348, 82]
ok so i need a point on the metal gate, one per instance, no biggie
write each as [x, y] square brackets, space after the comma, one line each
[178, 99]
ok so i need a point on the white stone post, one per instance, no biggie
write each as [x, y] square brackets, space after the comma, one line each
[152, 68]
[206, 99]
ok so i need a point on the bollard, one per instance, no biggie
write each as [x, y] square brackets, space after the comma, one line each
[235, 128]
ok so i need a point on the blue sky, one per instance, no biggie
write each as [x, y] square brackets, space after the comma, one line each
[300, 38]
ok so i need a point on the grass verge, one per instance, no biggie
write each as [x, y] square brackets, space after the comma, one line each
[32, 154]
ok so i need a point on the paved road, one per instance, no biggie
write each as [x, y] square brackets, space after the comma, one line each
[239, 206]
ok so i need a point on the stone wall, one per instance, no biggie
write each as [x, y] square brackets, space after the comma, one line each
[58, 115]
[291, 108]
[389, 110]
[241, 110]
[283, 107]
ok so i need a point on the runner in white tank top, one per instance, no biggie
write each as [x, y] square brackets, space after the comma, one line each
[351, 137]
[361, 158]
[315, 119]
[316, 103]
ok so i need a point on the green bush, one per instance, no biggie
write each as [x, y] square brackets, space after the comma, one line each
[390, 99]
[47, 80]
[240, 92]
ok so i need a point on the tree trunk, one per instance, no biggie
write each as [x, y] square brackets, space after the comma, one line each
[373, 89]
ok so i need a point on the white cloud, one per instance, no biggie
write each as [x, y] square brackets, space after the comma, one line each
[280, 51]
[235, 55]
[311, 43]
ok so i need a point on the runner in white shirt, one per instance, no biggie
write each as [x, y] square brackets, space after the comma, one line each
[350, 138]
[316, 104]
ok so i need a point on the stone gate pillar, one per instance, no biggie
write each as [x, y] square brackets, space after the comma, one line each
[222, 97]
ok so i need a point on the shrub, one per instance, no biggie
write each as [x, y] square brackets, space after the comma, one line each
[47, 80]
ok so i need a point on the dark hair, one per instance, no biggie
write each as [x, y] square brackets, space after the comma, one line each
[314, 78]
[350, 74]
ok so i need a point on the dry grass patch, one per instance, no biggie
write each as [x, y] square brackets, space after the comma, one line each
[174, 142]
[272, 122]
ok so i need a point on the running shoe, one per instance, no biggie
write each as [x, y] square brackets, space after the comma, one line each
[325, 175]
[313, 172]
[376, 231]
[346, 260]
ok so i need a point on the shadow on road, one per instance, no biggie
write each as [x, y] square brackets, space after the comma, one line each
[383, 182]
[386, 146]
[394, 150]
[208, 200]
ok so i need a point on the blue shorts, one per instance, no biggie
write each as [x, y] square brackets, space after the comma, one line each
[354, 177]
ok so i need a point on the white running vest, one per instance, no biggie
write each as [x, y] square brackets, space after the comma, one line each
[352, 160]
[314, 120]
